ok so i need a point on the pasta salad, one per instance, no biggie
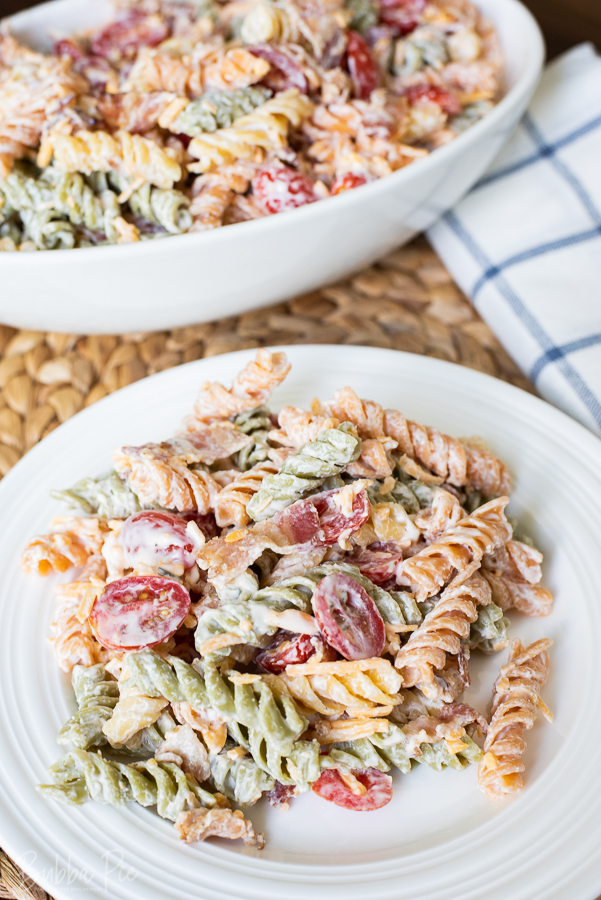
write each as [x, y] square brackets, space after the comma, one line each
[266, 605]
[185, 115]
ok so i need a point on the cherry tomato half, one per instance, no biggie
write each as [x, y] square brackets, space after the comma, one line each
[348, 618]
[156, 538]
[361, 65]
[139, 611]
[280, 188]
[330, 786]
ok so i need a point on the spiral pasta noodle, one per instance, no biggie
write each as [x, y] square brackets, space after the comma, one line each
[263, 129]
[217, 109]
[305, 470]
[513, 572]
[71, 542]
[424, 656]
[239, 778]
[231, 503]
[161, 473]
[251, 388]
[257, 424]
[81, 775]
[427, 739]
[131, 155]
[444, 455]
[97, 695]
[74, 642]
[515, 704]
[462, 545]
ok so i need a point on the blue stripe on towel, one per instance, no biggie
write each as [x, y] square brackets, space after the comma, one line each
[562, 350]
[543, 152]
[557, 355]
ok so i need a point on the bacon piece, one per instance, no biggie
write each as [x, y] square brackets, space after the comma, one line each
[227, 557]
[378, 561]
[218, 440]
[463, 714]
[199, 824]
[281, 794]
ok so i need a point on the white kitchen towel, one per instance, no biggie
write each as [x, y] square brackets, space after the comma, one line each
[525, 244]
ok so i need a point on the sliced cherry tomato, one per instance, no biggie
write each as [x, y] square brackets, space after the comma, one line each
[133, 30]
[288, 649]
[156, 538]
[281, 188]
[348, 618]
[347, 183]
[361, 65]
[286, 71]
[401, 16]
[332, 520]
[330, 786]
[433, 93]
[139, 611]
[377, 562]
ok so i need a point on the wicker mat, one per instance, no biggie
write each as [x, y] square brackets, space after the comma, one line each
[407, 301]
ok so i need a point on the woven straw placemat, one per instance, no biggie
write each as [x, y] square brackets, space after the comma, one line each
[407, 301]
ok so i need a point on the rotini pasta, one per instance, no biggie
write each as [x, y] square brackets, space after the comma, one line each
[424, 656]
[231, 503]
[257, 424]
[71, 542]
[74, 641]
[253, 619]
[445, 456]
[252, 387]
[81, 775]
[97, 695]
[293, 92]
[462, 545]
[162, 473]
[131, 155]
[263, 129]
[305, 470]
[218, 109]
[516, 701]
[513, 572]
[108, 496]
[239, 777]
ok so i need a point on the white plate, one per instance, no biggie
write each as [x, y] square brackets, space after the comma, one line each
[440, 838]
[197, 277]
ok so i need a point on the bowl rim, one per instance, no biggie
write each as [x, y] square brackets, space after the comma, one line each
[523, 86]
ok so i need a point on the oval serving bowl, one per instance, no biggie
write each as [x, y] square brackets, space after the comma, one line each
[203, 276]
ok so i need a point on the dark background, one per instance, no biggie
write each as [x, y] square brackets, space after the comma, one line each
[564, 22]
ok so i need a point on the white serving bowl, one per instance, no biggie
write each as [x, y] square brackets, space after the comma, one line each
[197, 277]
